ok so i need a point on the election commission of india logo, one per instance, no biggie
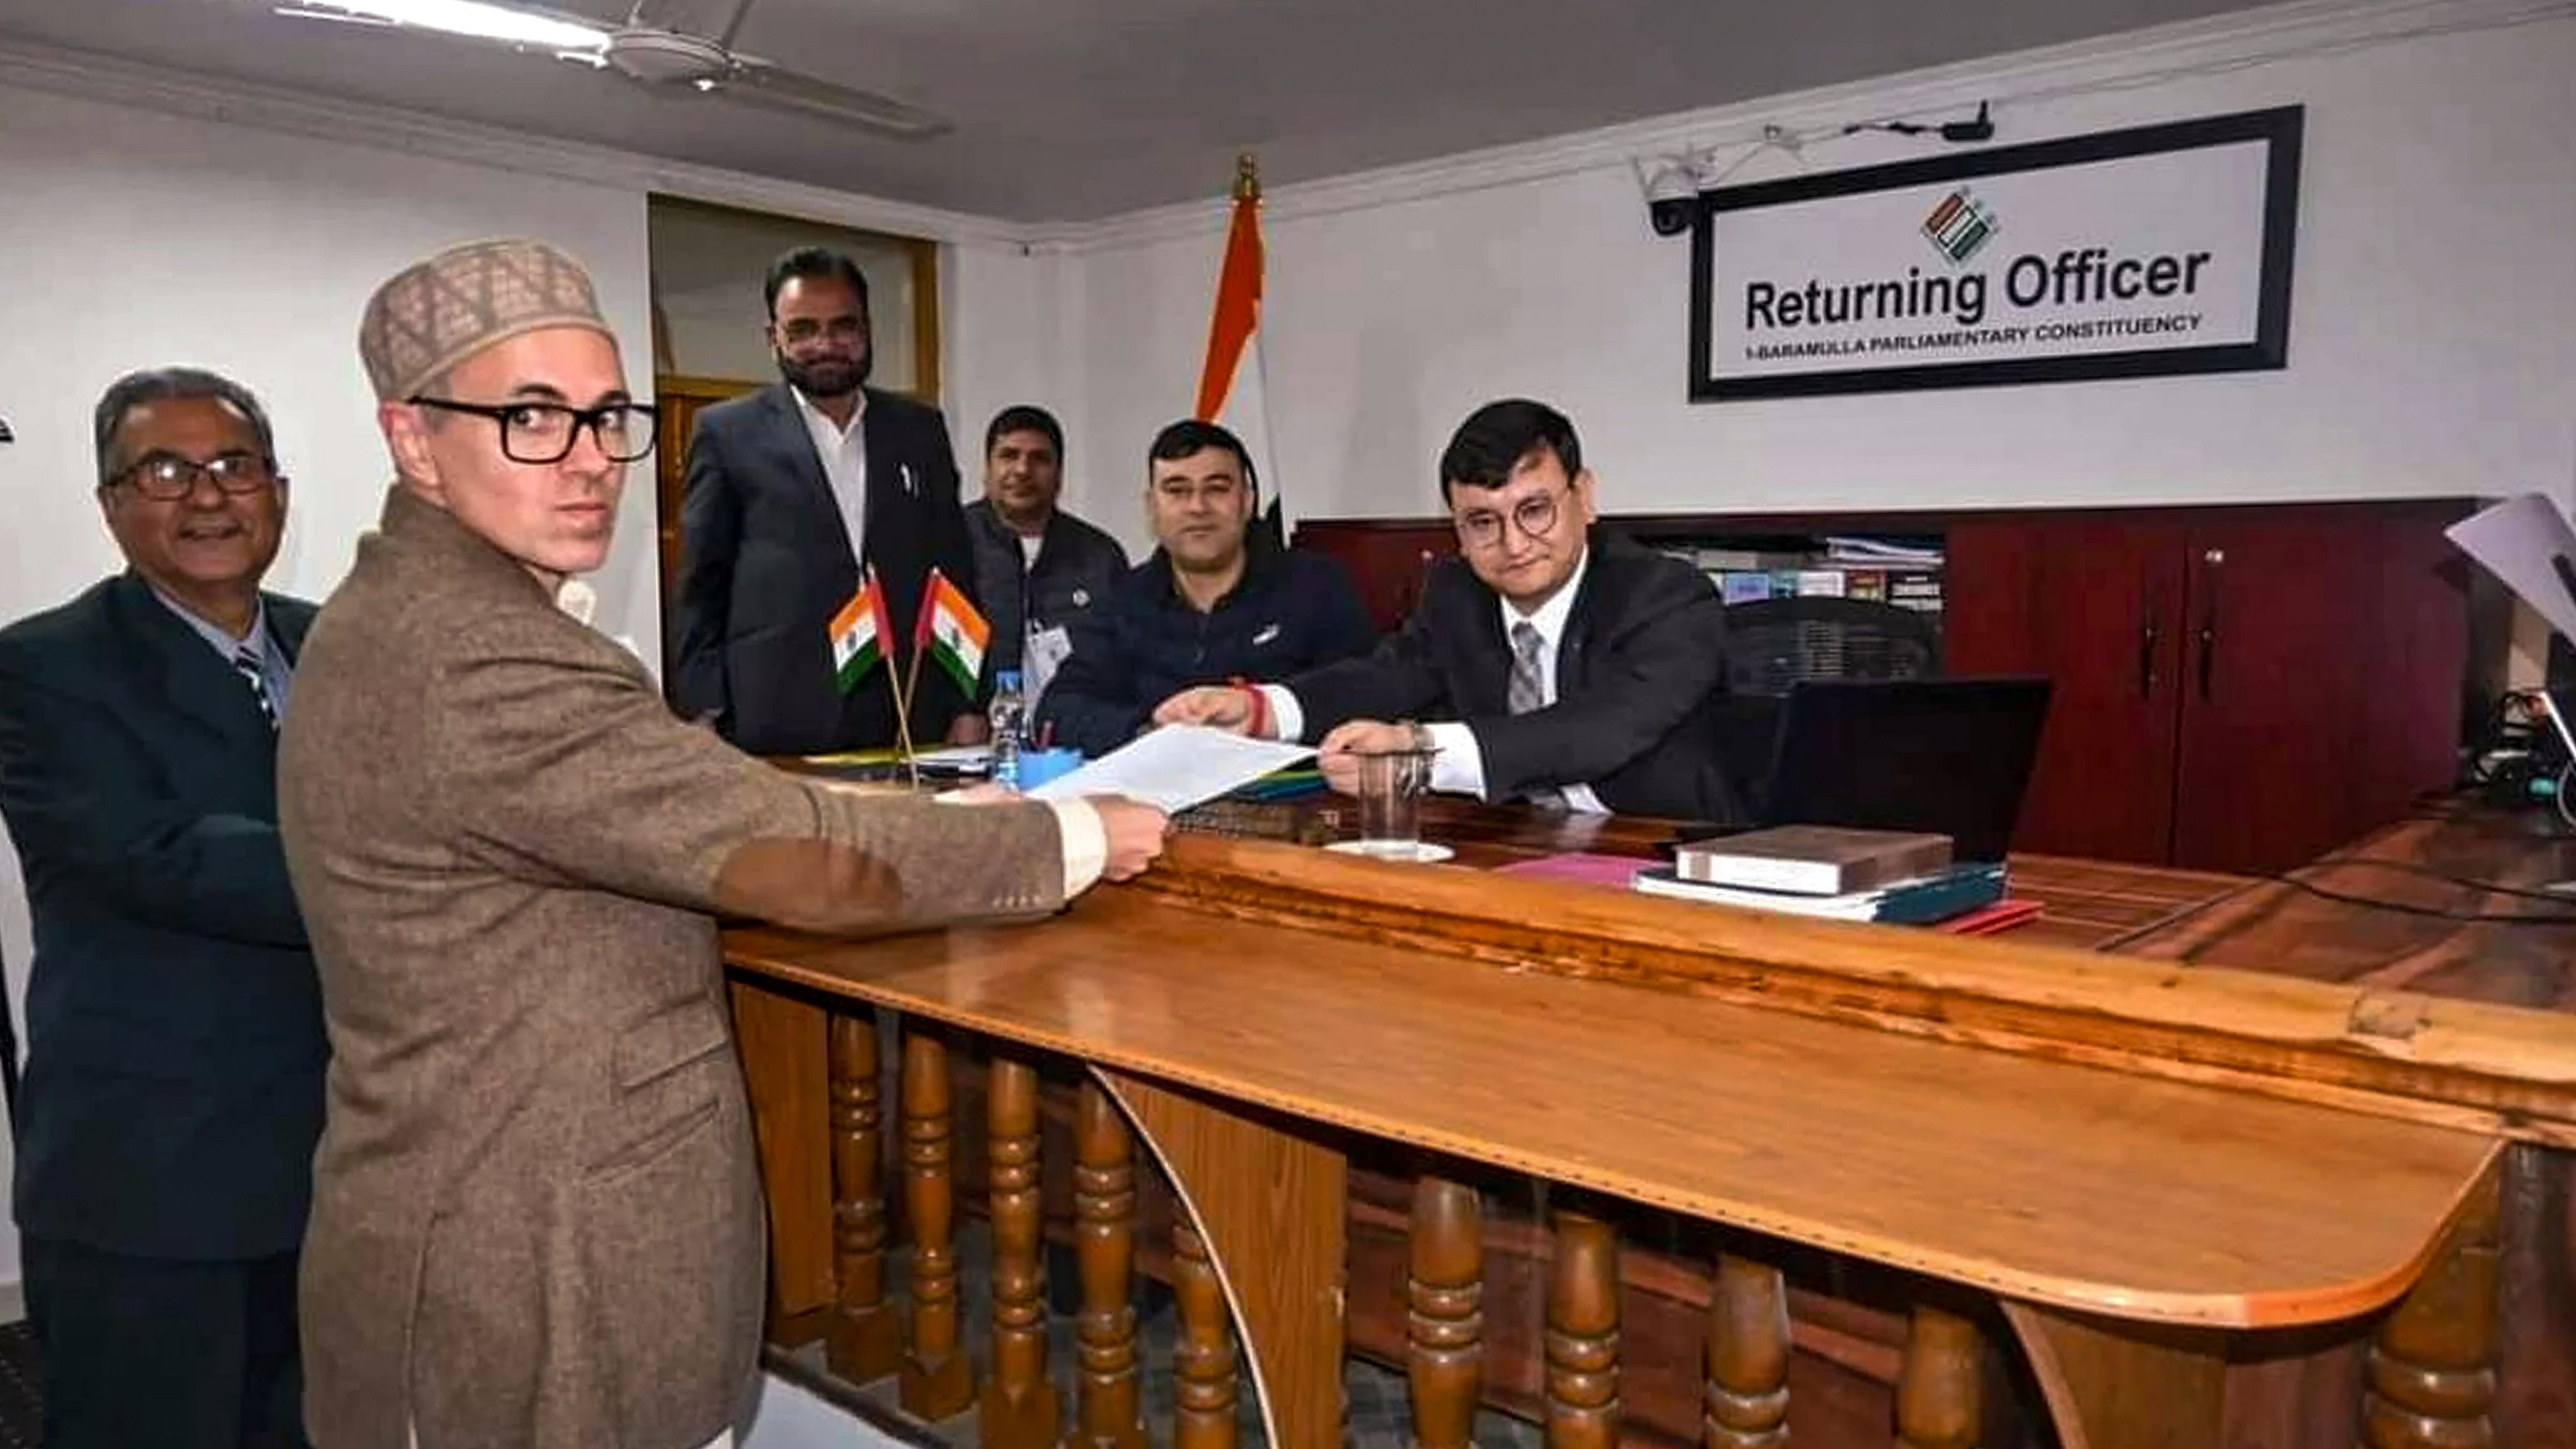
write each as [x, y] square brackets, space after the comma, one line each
[1959, 226]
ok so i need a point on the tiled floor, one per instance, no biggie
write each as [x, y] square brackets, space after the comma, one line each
[1379, 1418]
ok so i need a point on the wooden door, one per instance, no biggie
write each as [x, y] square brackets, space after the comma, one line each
[2326, 649]
[2094, 602]
[677, 402]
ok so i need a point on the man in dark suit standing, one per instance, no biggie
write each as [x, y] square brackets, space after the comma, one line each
[1560, 662]
[790, 492]
[174, 1026]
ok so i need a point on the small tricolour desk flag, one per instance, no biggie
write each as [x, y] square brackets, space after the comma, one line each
[951, 632]
[861, 634]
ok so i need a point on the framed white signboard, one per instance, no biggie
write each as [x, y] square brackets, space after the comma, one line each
[2135, 253]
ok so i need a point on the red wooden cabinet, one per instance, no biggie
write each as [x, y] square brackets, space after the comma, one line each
[2238, 688]
[1388, 558]
[2095, 604]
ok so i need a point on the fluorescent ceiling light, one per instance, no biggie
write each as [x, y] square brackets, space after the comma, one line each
[477, 19]
[337, 17]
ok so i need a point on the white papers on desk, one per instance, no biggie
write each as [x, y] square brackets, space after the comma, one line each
[2527, 543]
[1175, 767]
[964, 759]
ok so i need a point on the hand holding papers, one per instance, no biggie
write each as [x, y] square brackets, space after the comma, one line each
[1175, 767]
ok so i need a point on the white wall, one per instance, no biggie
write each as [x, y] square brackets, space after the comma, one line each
[2433, 326]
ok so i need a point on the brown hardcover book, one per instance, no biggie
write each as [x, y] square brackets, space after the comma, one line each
[1812, 860]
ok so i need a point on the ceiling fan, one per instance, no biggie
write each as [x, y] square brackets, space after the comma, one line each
[662, 58]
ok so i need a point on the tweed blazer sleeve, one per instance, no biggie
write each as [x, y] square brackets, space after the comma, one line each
[555, 759]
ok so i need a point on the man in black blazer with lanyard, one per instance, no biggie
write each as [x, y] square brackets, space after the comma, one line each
[790, 491]
[174, 1026]
[1554, 660]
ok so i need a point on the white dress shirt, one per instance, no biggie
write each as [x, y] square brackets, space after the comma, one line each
[844, 454]
[1460, 765]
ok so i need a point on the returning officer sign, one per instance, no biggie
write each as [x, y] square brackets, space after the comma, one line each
[2125, 254]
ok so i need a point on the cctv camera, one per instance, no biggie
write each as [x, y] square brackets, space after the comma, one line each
[1672, 195]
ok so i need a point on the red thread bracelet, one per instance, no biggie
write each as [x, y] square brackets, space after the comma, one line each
[1259, 724]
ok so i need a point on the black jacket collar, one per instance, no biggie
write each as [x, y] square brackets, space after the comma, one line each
[1262, 563]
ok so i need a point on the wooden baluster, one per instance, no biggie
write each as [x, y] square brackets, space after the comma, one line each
[1939, 1390]
[1583, 1335]
[865, 1341]
[1019, 1409]
[1106, 1413]
[2432, 1381]
[1445, 1327]
[1203, 1361]
[1747, 1402]
[937, 1381]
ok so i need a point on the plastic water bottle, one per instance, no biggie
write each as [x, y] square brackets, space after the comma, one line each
[1008, 715]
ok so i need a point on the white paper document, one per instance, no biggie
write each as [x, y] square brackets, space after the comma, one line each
[1175, 767]
[2527, 543]
[970, 758]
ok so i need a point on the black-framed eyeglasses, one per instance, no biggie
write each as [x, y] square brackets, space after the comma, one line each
[535, 432]
[1533, 516]
[167, 477]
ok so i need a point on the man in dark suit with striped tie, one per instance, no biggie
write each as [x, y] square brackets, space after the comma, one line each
[1552, 661]
[174, 1028]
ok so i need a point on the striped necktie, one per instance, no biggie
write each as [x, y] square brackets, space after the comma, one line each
[247, 660]
[1526, 690]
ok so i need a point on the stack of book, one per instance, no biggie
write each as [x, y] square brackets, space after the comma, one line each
[1897, 877]
[1895, 571]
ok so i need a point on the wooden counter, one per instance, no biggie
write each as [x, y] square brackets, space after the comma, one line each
[2132, 1161]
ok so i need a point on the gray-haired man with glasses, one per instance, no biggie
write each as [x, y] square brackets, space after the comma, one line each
[1554, 661]
[175, 1042]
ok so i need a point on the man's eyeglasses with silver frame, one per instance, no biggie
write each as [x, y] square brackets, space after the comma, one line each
[533, 432]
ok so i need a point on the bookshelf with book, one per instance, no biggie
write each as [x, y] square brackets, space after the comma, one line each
[1904, 571]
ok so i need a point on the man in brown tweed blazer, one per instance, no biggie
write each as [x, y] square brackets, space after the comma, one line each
[536, 1221]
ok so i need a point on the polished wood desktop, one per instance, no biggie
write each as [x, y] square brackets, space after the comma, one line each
[2187, 1192]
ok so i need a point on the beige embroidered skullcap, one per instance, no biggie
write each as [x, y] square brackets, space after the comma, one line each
[438, 313]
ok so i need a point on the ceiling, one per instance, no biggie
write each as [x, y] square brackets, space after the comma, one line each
[1071, 110]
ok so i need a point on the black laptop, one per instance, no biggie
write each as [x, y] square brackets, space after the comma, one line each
[1949, 756]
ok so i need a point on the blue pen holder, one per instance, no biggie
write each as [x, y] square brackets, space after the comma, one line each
[1039, 766]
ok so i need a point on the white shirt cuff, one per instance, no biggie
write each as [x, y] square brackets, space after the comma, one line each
[1460, 766]
[1287, 717]
[1580, 797]
[1086, 844]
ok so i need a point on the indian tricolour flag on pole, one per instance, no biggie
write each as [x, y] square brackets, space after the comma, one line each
[1231, 387]
[861, 634]
[951, 631]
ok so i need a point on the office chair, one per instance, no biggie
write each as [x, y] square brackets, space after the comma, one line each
[1773, 643]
